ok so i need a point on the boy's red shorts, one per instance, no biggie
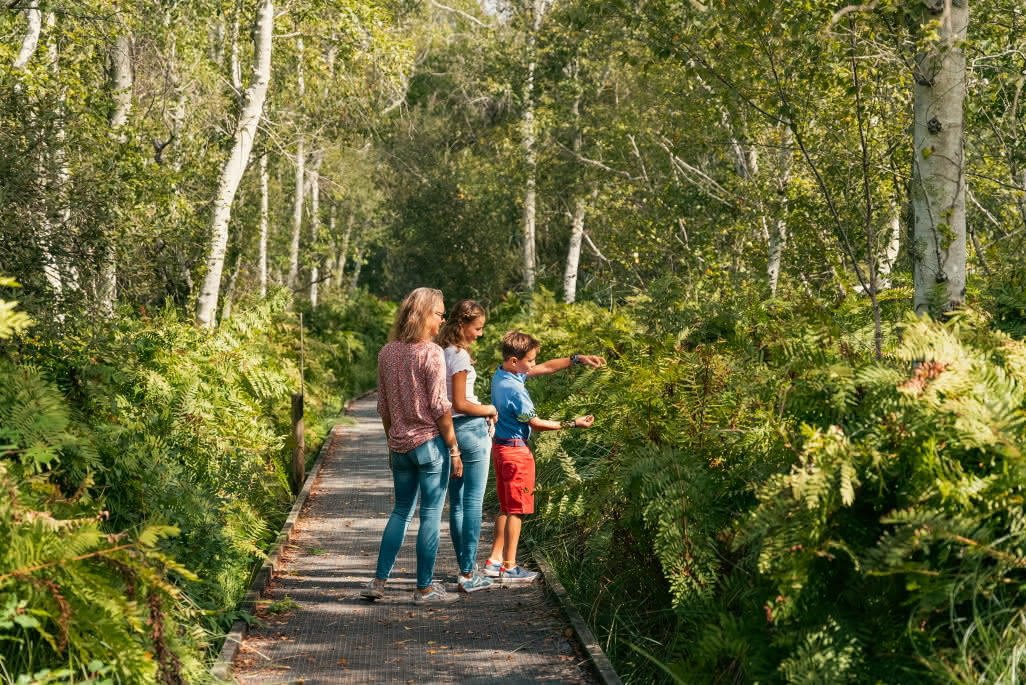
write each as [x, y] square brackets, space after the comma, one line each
[514, 478]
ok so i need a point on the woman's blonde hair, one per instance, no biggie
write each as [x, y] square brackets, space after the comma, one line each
[411, 320]
[463, 312]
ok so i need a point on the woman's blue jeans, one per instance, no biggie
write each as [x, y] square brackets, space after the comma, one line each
[424, 470]
[467, 493]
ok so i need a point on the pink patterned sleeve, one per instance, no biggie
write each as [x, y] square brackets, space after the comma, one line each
[434, 377]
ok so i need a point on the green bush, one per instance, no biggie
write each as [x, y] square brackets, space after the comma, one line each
[146, 472]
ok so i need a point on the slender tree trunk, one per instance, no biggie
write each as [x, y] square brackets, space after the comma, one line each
[329, 282]
[778, 236]
[528, 142]
[573, 256]
[891, 249]
[31, 38]
[231, 172]
[263, 224]
[358, 265]
[315, 225]
[297, 206]
[340, 264]
[939, 183]
[234, 64]
[229, 291]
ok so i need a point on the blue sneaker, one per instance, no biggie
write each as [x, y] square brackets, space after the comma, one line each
[517, 574]
[436, 594]
[475, 582]
[492, 570]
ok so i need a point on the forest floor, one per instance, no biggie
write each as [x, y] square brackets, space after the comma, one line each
[315, 628]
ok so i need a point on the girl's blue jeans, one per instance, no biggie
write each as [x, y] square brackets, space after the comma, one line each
[422, 471]
[467, 493]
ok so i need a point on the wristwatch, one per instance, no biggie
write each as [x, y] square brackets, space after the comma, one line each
[575, 358]
[454, 450]
[569, 423]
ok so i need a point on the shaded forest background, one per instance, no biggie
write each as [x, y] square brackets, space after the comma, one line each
[795, 230]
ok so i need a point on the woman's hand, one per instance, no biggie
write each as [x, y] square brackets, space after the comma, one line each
[584, 421]
[457, 467]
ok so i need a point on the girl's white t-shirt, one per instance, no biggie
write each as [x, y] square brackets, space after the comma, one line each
[457, 359]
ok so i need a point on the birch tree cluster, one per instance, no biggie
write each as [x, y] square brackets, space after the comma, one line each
[793, 149]
[189, 151]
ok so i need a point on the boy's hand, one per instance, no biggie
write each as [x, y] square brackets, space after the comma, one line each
[584, 421]
[592, 360]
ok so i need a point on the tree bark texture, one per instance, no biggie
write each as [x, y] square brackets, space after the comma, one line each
[778, 235]
[297, 205]
[264, 205]
[340, 264]
[315, 224]
[229, 291]
[938, 193]
[235, 166]
[30, 40]
[528, 143]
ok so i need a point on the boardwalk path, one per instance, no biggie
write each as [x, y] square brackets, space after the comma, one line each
[502, 635]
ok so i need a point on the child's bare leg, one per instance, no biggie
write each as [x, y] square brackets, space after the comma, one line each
[510, 540]
[498, 540]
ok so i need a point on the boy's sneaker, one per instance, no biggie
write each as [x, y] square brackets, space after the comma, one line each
[436, 594]
[517, 574]
[375, 589]
[474, 583]
[492, 570]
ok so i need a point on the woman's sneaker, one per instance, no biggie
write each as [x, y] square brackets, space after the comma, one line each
[436, 594]
[474, 583]
[375, 589]
[492, 570]
[517, 574]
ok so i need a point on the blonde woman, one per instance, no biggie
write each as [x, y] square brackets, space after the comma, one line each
[472, 421]
[422, 445]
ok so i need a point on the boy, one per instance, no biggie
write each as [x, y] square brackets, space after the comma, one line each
[514, 463]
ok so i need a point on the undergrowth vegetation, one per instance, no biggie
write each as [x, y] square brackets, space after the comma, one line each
[145, 472]
[761, 500]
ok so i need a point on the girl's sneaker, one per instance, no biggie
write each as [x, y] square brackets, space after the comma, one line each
[474, 583]
[517, 574]
[375, 589]
[492, 570]
[436, 594]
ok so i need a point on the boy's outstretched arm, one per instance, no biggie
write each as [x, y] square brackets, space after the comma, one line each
[539, 424]
[553, 365]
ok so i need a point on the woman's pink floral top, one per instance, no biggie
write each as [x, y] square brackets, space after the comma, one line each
[411, 392]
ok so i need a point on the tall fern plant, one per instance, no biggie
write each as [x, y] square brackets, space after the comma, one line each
[65, 580]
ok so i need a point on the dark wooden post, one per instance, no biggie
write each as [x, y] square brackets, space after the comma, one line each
[298, 443]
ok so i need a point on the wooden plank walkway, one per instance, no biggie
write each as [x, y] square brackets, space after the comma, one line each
[502, 635]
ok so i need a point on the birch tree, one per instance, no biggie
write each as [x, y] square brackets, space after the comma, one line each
[938, 187]
[297, 206]
[264, 205]
[235, 165]
[315, 224]
[528, 133]
[34, 19]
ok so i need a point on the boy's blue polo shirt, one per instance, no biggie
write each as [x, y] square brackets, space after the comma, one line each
[509, 395]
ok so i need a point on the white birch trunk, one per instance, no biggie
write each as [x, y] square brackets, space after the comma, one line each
[938, 197]
[263, 225]
[340, 264]
[891, 249]
[778, 236]
[329, 282]
[121, 82]
[31, 38]
[315, 224]
[358, 264]
[229, 291]
[231, 173]
[234, 64]
[528, 143]
[573, 256]
[297, 206]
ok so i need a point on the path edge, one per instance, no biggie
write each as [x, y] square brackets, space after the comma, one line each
[600, 662]
[222, 666]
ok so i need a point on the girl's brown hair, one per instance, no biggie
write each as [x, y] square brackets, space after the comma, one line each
[463, 312]
[413, 315]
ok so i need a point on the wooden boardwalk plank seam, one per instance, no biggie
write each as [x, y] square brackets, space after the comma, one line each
[502, 635]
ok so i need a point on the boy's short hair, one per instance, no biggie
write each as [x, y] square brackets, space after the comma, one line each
[518, 344]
